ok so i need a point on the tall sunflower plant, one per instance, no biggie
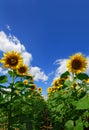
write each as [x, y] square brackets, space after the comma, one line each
[68, 97]
[19, 97]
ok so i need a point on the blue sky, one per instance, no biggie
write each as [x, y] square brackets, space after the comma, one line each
[49, 30]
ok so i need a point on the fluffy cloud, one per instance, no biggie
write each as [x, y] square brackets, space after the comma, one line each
[62, 67]
[38, 74]
[87, 70]
[9, 43]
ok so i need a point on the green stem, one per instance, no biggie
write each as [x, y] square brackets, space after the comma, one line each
[10, 107]
[21, 78]
[72, 76]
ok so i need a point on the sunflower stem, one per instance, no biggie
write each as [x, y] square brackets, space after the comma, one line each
[73, 75]
[10, 107]
[21, 78]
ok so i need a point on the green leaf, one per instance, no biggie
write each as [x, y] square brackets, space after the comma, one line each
[82, 76]
[79, 125]
[59, 107]
[27, 77]
[65, 74]
[68, 83]
[10, 72]
[86, 124]
[19, 84]
[3, 79]
[69, 125]
[83, 103]
[4, 104]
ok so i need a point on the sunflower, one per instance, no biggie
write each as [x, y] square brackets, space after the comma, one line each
[31, 78]
[77, 63]
[11, 60]
[74, 86]
[22, 70]
[58, 81]
[32, 86]
[49, 89]
[25, 82]
[40, 90]
[86, 80]
[67, 78]
[55, 82]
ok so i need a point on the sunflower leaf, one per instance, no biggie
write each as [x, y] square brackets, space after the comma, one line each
[3, 79]
[69, 125]
[83, 103]
[82, 76]
[65, 74]
[79, 124]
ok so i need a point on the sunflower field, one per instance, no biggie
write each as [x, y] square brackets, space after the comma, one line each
[22, 106]
[68, 97]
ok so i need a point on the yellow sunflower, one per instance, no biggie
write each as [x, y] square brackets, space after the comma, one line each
[25, 82]
[77, 63]
[74, 86]
[33, 86]
[11, 60]
[49, 90]
[86, 80]
[40, 90]
[31, 78]
[55, 82]
[22, 70]
[67, 78]
[58, 81]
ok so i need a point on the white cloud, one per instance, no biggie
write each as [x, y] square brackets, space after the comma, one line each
[87, 70]
[38, 74]
[27, 57]
[9, 43]
[62, 67]
[3, 71]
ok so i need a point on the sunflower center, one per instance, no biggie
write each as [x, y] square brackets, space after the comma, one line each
[55, 83]
[33, 87]
[61, 81]
[22, 70]
[12, 61]
[76, 64]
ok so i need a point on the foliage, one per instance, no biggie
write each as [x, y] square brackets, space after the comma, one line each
[22, 106]
[68, 97]
[69, 106]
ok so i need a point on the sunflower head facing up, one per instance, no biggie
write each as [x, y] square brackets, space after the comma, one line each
[31, 78]
[55, 82]
[58, 81]
[77, 63]
[39, 90]
[25, 82]
[22, 70]
[11, 60]
[49, 90]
